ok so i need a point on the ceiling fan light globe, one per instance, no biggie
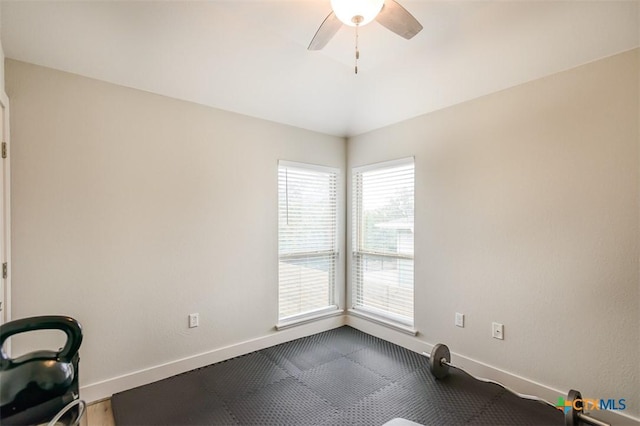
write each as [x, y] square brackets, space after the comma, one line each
[360, 12]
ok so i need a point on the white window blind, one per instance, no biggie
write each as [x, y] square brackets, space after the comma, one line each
[383, 219]
[307, 238]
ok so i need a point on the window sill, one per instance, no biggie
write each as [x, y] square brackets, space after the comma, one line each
[328, 312]
[383, 321]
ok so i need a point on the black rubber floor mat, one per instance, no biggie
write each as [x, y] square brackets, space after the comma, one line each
[342, 382]
[390, 402]
[393, 363]
[287, 402]
[339, 377]
[301, 355]
[240, 376]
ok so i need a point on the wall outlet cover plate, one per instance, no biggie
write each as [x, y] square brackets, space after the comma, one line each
[497, 330]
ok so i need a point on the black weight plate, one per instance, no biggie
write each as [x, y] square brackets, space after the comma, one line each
[571, 415]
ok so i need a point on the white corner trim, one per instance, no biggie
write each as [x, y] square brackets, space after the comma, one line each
[105, 388]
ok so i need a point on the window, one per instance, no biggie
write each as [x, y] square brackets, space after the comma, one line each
[383, 217]
[307, 239]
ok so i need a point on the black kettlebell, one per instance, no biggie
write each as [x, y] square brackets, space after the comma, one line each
[37, 377]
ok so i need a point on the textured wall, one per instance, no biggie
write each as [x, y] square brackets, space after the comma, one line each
[132, 210]
[527, 211]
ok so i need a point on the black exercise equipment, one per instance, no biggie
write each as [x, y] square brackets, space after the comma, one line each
[574, 415]
[41, 385]
[440, 361]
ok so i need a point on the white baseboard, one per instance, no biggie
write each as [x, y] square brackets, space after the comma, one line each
[479, 369]
[104, 389]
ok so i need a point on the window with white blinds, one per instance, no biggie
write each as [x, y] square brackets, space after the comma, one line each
[383, 218]
[307, 239]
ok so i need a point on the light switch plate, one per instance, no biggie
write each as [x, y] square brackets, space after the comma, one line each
[459, 319]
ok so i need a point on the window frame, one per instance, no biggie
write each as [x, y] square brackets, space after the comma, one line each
[332, 307]
[381, 316]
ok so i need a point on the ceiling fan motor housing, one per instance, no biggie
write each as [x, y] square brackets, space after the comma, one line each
[356, 12]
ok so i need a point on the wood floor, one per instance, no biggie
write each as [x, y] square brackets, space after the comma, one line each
[99, 414]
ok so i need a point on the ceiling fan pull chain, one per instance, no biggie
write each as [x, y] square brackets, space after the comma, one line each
[357, 51]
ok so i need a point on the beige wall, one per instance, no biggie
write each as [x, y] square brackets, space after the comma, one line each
[132, 210]
[527, 207]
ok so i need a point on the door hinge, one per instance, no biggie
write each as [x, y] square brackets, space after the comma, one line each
[5, 270]
[4, 150]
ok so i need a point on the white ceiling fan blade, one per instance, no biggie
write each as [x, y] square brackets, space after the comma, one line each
[396, 18]
[327, 30]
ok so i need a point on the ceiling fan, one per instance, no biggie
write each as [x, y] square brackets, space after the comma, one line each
[356, 13]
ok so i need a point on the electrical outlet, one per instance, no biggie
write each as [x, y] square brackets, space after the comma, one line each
[459, 319]
[497, 330]
[194, 320]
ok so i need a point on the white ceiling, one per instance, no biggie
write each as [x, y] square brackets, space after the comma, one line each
[250, 56]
